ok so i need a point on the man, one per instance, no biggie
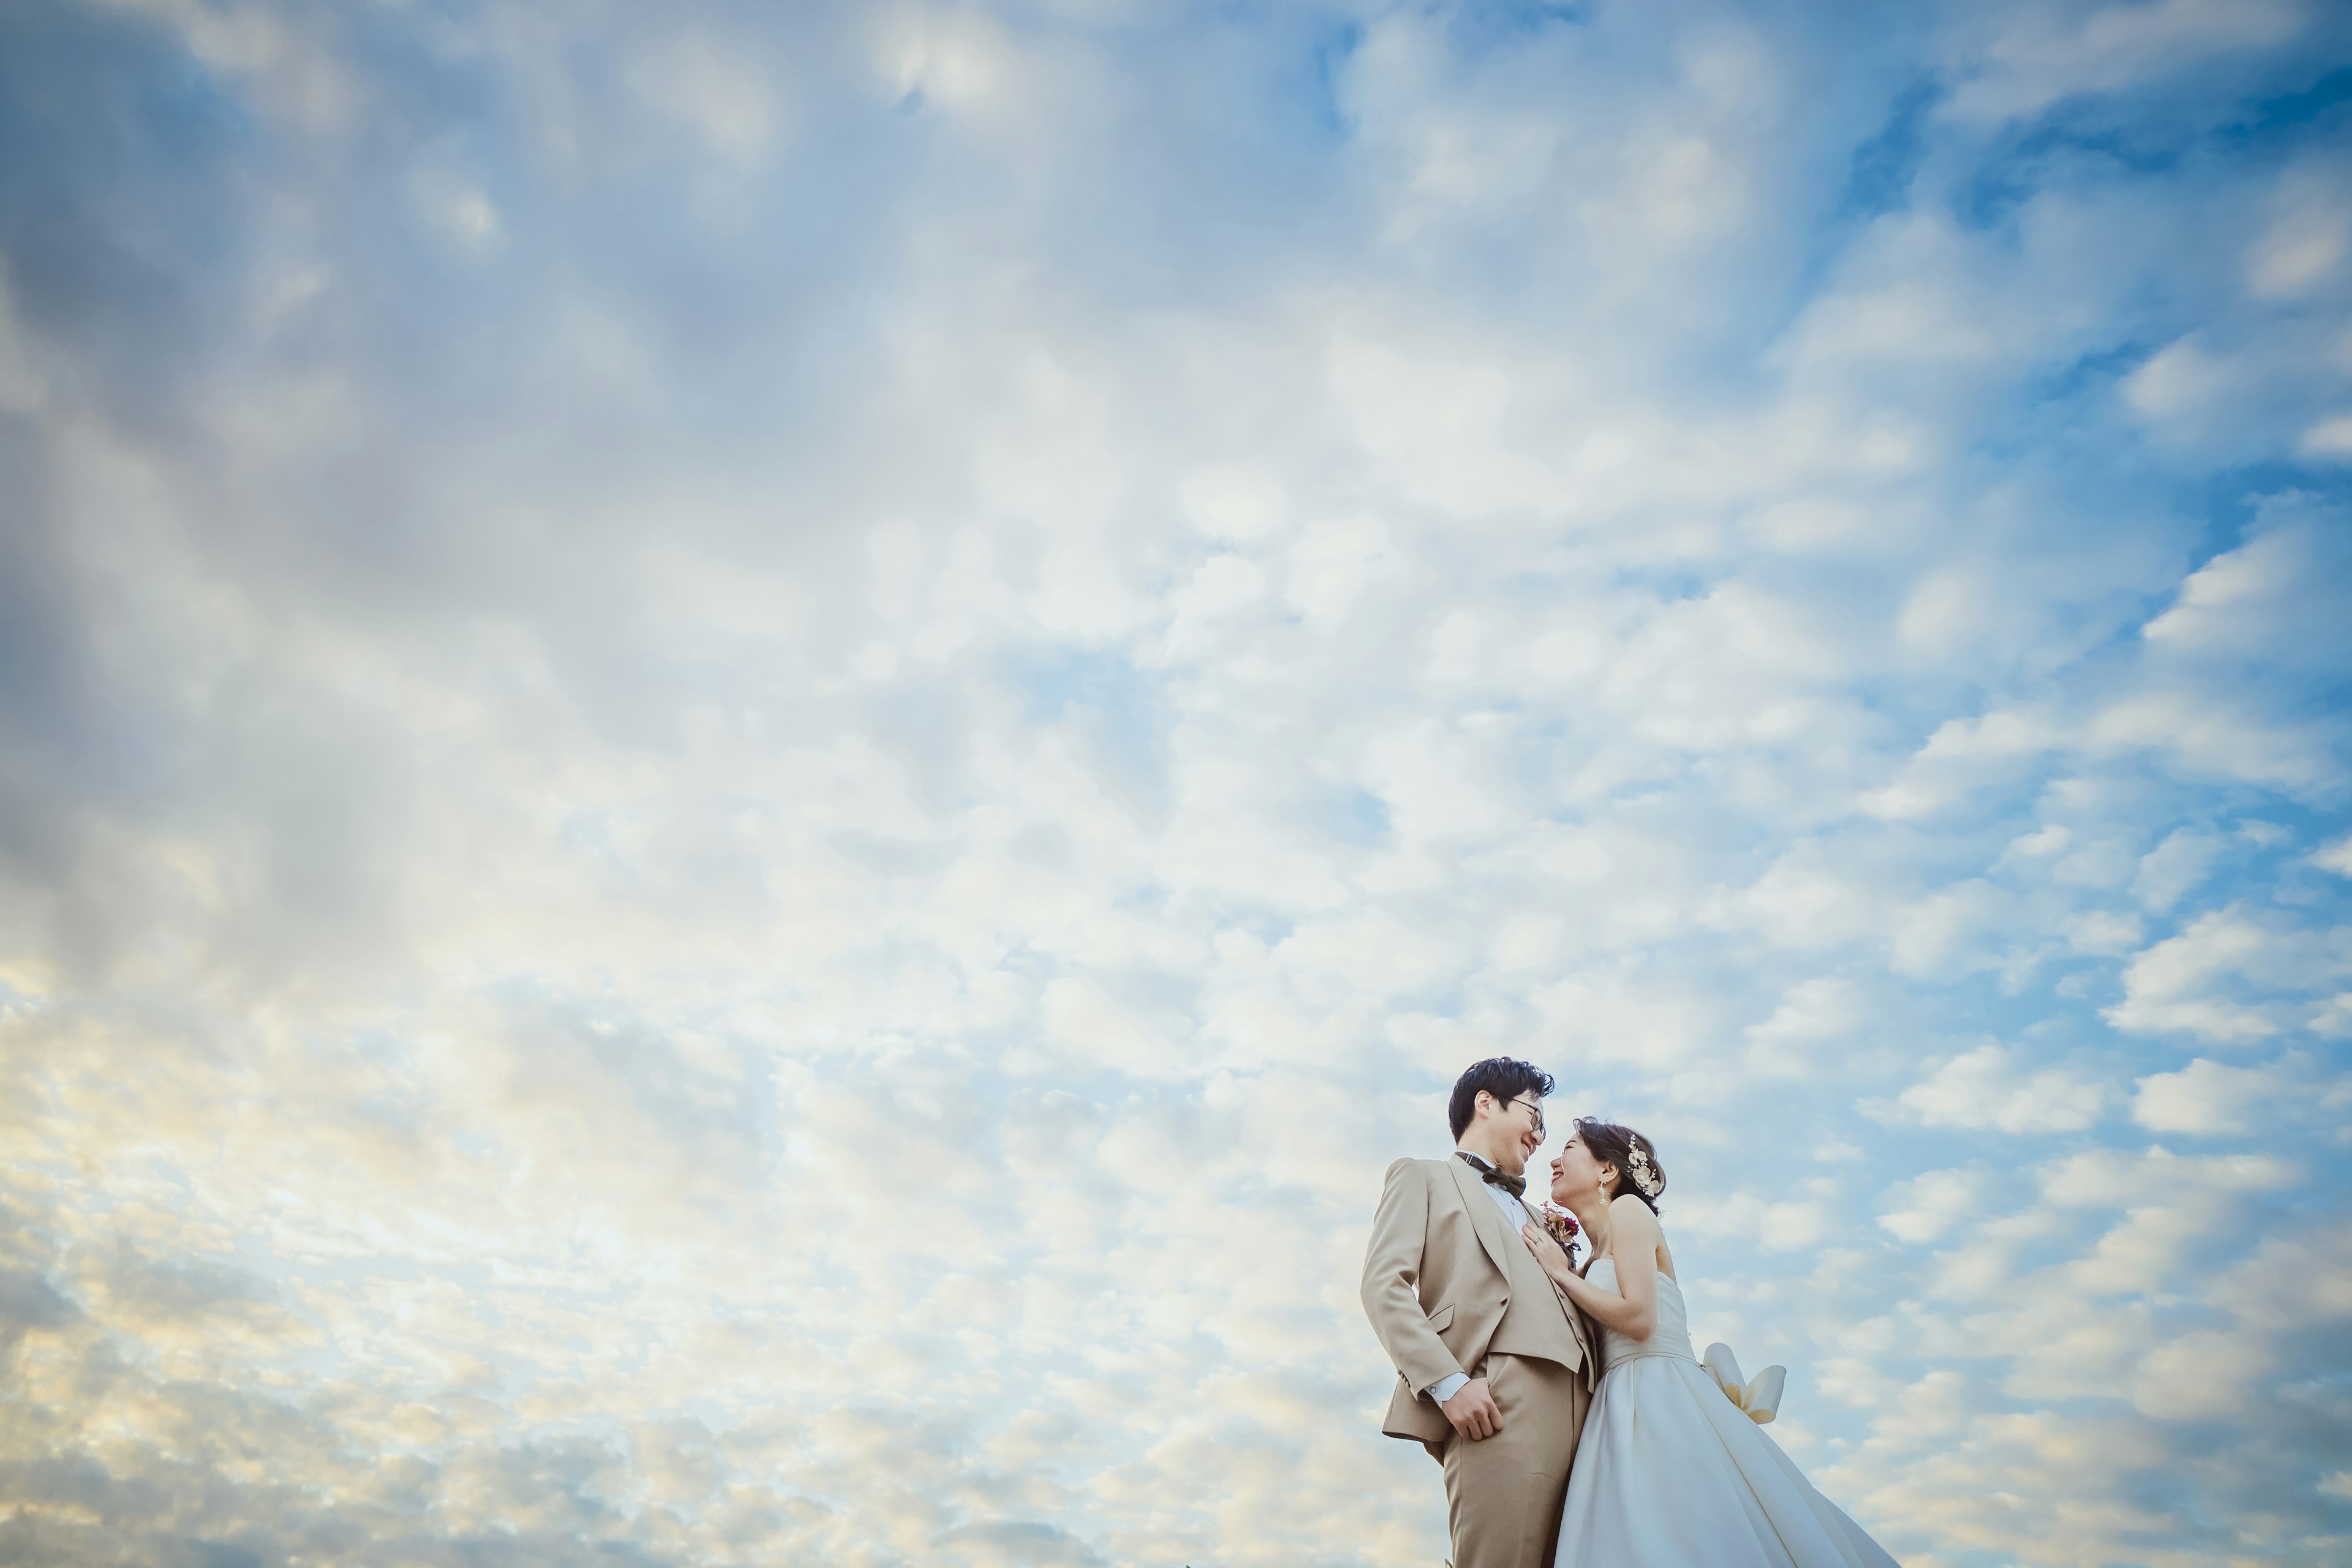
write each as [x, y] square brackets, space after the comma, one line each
[1494, 1368]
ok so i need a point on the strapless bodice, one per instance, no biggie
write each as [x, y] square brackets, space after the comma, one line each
[1672, 1336]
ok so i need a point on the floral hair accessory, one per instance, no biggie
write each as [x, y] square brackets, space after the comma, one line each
[1644, 1175]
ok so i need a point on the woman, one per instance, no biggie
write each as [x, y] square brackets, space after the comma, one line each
[1670, 1474]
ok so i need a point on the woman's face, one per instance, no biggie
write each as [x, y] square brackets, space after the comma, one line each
[1575, 1174]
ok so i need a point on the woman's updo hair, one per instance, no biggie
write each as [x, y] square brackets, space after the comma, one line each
[1638, 1170]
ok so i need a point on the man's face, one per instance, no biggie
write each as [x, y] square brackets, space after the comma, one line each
[1520, 1120]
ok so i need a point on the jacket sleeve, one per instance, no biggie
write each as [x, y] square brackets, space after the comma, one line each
[1393, 1275]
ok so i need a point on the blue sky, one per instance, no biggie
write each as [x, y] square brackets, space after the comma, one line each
[751, 757]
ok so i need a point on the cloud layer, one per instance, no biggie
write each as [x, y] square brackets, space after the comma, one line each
[751, 759]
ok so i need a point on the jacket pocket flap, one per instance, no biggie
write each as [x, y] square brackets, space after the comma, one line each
[1441, 1319]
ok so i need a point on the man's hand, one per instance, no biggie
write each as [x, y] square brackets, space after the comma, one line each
[1472, 1411]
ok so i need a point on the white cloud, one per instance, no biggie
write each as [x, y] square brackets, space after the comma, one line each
[2201, 1376]
[1767, 1220]
[1961, 754]
[964, 61]
[2155, 1177]
[718, 88]
[2223, 979]
[1800, 902]
[2303, 246]
[2277, 593]
[2178, 379]
[286, 59]
[459, 208]
[2105, 932]
[2214, 740]
[1927, 1206]
[1235, 501]
[2333, 1017]
[2204, 1097]
[1989, 1086]
[1438, 428]
[2331, 438]
[2041, 54]
[1333, 563]
[2174, 866]
[1528, 942]
[1094, 1027]
[1613, 1016]
[1811, 1017]
[1943, 933]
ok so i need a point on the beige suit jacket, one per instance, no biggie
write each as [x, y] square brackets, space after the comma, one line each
[1447, 1281]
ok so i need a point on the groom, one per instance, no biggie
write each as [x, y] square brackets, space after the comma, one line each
[1493, 1368]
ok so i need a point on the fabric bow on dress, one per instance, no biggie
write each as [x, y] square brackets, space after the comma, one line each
[1760, 1399]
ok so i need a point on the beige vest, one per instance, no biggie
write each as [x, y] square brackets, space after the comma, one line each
[1539, 1321]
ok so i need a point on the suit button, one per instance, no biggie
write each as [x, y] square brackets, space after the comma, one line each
[1506, 1300]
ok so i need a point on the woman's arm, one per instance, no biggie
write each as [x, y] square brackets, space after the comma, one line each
[1633, 1245]
[1631, 1308]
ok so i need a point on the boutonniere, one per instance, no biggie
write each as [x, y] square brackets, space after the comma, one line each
[1562, 1227]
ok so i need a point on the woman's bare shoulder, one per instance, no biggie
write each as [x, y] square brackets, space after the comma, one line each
[1634, 1227]
[1626, 1210]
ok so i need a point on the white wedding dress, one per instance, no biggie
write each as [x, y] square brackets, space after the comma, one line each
[1670, 1474]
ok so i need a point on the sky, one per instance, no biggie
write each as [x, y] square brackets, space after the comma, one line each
[752, 757]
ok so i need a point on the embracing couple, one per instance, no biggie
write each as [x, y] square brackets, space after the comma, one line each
[1566, 1406]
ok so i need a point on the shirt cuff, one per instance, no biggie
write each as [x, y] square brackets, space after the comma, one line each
[1446, 1387]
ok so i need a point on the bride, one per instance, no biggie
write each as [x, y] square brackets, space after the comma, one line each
[1669, 1473]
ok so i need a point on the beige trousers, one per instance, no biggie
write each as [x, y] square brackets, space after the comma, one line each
[1503, 1496]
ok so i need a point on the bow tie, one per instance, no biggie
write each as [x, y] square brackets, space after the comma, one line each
[1515, 1185]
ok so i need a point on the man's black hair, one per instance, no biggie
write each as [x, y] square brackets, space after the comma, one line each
[1499, 1075]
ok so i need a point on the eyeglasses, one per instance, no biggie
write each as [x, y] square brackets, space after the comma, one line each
[1534, 1111]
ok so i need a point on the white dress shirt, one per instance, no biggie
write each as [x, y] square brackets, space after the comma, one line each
[1515, 1214]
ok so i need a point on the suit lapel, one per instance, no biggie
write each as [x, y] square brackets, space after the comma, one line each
[1486, 1215]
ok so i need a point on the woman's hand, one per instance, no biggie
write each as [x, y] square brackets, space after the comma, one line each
[1547, 1250]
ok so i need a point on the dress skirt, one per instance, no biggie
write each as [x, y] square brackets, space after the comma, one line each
[1673, 1475]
